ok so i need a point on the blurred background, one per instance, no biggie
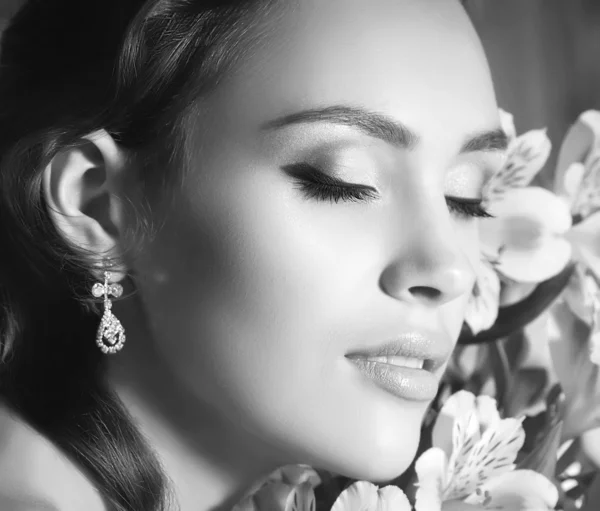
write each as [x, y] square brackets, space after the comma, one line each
[544, 56]
[545, 60]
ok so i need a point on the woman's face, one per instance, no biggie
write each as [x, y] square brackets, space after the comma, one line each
[262, 280]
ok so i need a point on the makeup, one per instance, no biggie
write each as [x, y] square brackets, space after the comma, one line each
[406, 366]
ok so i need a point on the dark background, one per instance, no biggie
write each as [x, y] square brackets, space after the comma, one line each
[544, 55]
[545, 60]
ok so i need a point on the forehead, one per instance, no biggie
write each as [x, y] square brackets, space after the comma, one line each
[417, 61]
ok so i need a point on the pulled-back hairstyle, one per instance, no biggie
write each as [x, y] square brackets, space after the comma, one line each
[68, 68]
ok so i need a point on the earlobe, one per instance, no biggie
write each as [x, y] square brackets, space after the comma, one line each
[82, 187]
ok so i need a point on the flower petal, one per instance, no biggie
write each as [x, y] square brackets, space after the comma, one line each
[587, 198]
[590, 445]
[585, 238]
[581, 146]
[573, 177]
[576, 145]
[457, 407]
[360, 496]
[482, 308]
[275, 496]
[302, 498]
[519, 490]
[365, 496]
[431, 469]
[507, 123]
[595, 342]
[392, 498]
[537, 204]
[581, 293]
[487, 412]
[535, 265]
[295, 475]
[466, 436]
[527, 155]
[494, 454]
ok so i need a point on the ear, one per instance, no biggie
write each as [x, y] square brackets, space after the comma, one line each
[83, 190]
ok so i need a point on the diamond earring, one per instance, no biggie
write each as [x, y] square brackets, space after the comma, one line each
[111, 334]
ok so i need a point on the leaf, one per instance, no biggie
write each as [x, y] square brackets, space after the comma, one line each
[501, 371]
[555, 404]
[526, 390]
[543, 458]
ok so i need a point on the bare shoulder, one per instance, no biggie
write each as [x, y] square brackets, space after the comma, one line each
[35, 475]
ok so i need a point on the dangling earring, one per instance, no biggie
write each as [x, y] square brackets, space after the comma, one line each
[111, 334]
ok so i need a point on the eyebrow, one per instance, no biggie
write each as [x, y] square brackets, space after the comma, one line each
[494, 140]
[383, 127]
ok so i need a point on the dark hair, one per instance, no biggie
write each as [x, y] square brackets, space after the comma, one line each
[68, 68]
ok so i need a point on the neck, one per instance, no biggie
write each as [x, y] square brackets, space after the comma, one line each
[209, 465]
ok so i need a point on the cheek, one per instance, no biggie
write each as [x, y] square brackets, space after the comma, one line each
[251, 287]
[255, 295]
[467, 238]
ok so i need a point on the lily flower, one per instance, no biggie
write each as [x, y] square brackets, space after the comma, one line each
[578, 182]
[527, 233]
[526, 155]
[471, 464]
[482, 307]
[569, 344]
[533, 232]
[365, 496]
[289, 488]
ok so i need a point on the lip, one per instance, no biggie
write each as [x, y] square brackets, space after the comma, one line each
[405, 382]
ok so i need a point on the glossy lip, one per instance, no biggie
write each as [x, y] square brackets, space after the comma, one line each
[433, 349]
[405, 382]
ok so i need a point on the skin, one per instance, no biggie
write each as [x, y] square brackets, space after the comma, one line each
[252, 293]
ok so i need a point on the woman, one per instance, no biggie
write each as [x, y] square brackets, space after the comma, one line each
[282, 189]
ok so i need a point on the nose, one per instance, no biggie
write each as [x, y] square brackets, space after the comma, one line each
[432, 268]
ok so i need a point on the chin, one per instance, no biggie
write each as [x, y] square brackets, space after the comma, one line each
[379, 462]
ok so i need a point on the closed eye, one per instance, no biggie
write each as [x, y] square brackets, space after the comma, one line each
[320, 186]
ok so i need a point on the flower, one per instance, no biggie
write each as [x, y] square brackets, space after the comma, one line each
[527, 233]
[569, 344]
[533, 232]
[482, 307]
[472, 459]
[578, 181]
[289, 488]
[526, 155]
[365, 496]
[590, 445]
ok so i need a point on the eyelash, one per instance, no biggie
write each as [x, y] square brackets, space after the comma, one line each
[319, 186]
